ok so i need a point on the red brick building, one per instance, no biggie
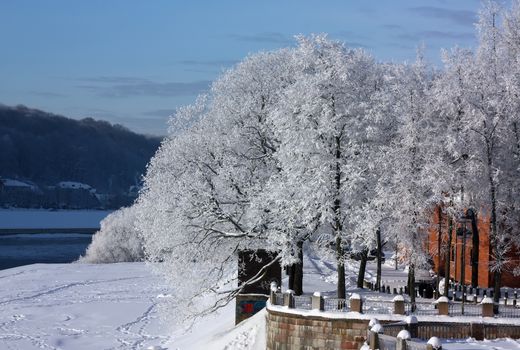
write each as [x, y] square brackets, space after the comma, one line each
[476, 262]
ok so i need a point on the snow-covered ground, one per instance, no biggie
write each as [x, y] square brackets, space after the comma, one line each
[116, 306]
[33, 218]
[113, 306]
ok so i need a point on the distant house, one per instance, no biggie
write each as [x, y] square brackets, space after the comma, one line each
[75, 195]
[72, 185]
[18, 193]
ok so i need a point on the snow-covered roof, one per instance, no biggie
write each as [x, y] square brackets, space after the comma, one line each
[75, 185]
[17, 183]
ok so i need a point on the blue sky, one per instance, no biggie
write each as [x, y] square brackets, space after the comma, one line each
[133, 62]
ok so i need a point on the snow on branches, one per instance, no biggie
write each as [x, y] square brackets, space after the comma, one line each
[321, 145]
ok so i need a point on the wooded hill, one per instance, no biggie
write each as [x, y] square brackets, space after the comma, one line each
[46, 149]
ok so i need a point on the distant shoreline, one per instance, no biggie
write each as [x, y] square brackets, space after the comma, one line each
[16, 231]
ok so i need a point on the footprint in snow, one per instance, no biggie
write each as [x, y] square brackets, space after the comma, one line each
[18, 317]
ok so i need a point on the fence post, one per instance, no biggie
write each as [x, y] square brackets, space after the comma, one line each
[398, 305]
[373, 337]
[402, 337]
[442, 306]
[272, 295]
[373, 340]
[434, 344]
[487, 307]
[317, 302]
[356, 304]
[411, 325]
[288, 298]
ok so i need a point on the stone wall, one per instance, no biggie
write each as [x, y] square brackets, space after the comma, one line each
[311, 331]
[291, 331]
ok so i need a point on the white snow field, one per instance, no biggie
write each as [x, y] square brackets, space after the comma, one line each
[111, 306]
[116, 306]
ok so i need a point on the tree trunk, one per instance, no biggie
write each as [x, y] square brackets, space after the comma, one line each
[493, 221]
[338, 226]
[295, 271]
[341, 269]
[298, 271]
[497, 279]
[439, 242]
[411, 284]
[362, 268]
[448, 258]
[475, 249]
[379, 258]
[290, 272]
[396, 253]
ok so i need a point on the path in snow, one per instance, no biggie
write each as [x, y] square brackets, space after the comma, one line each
[79, 306]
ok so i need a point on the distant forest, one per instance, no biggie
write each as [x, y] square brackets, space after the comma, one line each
[46, 149]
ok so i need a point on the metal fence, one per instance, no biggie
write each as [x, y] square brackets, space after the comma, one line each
[412, 345]
[387, 342]
[509, 311]
[378, 307]
[336, 304]
[393, 329]
[421, 309]
[385, 307]
[303, 302]
[278, 299]
[501, 331]
[455, 309]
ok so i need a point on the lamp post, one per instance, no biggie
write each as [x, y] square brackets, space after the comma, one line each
[463, 220]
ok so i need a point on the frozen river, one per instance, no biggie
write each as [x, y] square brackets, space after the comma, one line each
[23, 249]
[18, 249]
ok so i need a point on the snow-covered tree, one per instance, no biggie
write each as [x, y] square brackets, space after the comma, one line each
[492, 133]
[404, 188]
[450, 147]
[197, 210]
[118, 240]
[321, 144]
[321, 123]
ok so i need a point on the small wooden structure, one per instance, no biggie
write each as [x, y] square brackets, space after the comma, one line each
[254, 296]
